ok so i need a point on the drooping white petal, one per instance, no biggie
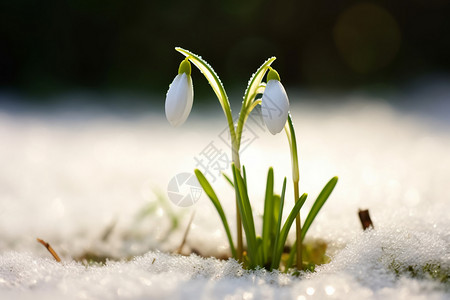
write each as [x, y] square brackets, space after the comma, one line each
[275, 106]
[179, 99]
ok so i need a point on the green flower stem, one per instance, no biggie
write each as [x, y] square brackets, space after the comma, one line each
[243, 118]
[290, 132]
[254, 104]
[254, 88]
[298, 231]
[219, 90]
[261, 251]
[237, 164]
[248, 105]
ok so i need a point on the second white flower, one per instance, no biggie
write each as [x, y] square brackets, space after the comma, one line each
[179, 99]
[275, 106]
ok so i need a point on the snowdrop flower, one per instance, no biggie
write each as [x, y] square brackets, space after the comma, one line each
[274, 103]
[180, 95]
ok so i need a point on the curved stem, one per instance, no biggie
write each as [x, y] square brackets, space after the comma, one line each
[255, 86]
[254, 104]
[290, 133]
[248, 105]
[240, 240]
[217, 87]
[219, 90]
[242, 119]
[298, 231]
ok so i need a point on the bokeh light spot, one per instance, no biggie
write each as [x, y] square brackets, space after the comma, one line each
[367, 37]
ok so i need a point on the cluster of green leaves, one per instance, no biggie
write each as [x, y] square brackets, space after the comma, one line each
[265, 250]
[431, 270]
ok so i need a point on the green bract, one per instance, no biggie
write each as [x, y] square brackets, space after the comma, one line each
[185, 67]
[264, 249]
[273, 75]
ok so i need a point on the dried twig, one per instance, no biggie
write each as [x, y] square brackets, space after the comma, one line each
[364, 216]
[108, 230]
[186, 233]
[50, 249]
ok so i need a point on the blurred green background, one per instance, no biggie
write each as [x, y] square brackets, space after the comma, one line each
[51, 47]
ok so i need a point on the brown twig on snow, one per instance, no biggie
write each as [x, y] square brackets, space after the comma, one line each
[108, 230]
[50, 249]
[186, 233]
[364, 216]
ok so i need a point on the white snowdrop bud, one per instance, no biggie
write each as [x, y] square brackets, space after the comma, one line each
[180, 95]
[274, 103]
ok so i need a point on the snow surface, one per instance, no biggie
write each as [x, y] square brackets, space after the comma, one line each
[69, 176]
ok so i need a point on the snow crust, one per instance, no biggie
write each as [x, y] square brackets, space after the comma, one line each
[70, 177]
[157, 275]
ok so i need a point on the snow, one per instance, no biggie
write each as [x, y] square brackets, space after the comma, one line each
[157, 275]
[68, 176]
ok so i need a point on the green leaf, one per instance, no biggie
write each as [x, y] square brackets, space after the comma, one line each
[293, 146]
[261, 88]
[255, 80]
[320, 201]
[244, 175]
[212, 195]
[268, 218]
[246, 213]
[278, 225]
[290, 260]
[210, 75]
[284, 232]
[217, 87]
[254, 87]
[291, 257]
[228, 179]
[276, 216]
[259, 250]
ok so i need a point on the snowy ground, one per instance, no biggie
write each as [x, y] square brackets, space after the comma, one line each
[69, 177]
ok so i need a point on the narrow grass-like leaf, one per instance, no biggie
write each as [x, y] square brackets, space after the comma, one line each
[228, 179]
[216, 85]
[259, 250]
[212, 195]
[254, 87]
[291, 257]
[244, 175]
[320, 201]
[260, 89]
[290, 261]
[255, 81]
[268, 217]
[246, 213]
[293, 145]
[278, 224]
[284, 232]
[208, 72]
[276, 215]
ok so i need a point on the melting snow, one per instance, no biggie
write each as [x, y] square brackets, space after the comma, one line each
[67, 177]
